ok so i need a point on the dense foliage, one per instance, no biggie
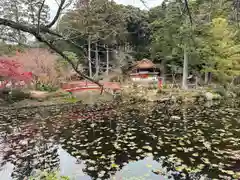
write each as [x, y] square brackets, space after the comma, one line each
[161, 33]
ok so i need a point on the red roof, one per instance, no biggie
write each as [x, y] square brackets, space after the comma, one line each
[145, 64]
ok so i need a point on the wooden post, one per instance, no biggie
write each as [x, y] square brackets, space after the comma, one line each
[107, 71]
[185, 69]
[89, 57]
[96, 62]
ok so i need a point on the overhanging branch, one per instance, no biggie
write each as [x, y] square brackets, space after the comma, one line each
[75, 67]
[188, 11]
[34, 31]
[39, 16]
[60, 8]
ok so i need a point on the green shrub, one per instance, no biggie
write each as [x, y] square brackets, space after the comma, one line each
[221, 91]
[14, 95]
[236, 90]
[164, 86]
[71, 99]
[46, 87]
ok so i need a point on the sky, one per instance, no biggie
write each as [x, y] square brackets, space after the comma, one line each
[149, 3]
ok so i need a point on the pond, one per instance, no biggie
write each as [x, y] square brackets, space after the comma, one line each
[149, 142]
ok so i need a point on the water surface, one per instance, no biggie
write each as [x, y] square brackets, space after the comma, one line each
[128, 142]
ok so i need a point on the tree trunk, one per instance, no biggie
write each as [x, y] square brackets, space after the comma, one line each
[163, 71]
[210, 78]
[89, 58]
[107, 70]
[99, 64]
[196, 81]
[96, 62]
[206, 78]
[185, 69]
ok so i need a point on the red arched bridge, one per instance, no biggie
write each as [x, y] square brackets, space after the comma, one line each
[89, 86]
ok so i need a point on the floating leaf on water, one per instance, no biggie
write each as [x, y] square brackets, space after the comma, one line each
[139, 151]
[214, 165]
[146, 175]
[188, 169]
[181, 143]
[132, 137]
[147, 147]
[200, 166]
[179, 148]
[195, 154]
[229, 172]
[102, 157]
[149, 165]
[237, 175]
[205, 160]
[192, 160]
[90, 168]
[207, 145]
[113, 165]
[173, 145]
[74, 153]
[101, 173]
[98, 147]
[180, 168]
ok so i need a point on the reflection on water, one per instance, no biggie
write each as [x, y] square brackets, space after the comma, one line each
[69, 166]
[165, 142]
[143, 169]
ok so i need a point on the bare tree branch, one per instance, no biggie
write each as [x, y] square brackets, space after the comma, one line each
[188, 11]
[28, 28]
[39, 16]
[75, 67]
[68, 4]
[14, 25]
[32, 30]
[60, 8]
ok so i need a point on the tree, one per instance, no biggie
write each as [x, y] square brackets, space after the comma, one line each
[226, 63]
[165, 34]
[96, 24]
[21, 11]
[171, 36]
[41, 30]
[137, 31]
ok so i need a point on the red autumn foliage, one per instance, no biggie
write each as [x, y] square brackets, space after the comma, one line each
[12, 70]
